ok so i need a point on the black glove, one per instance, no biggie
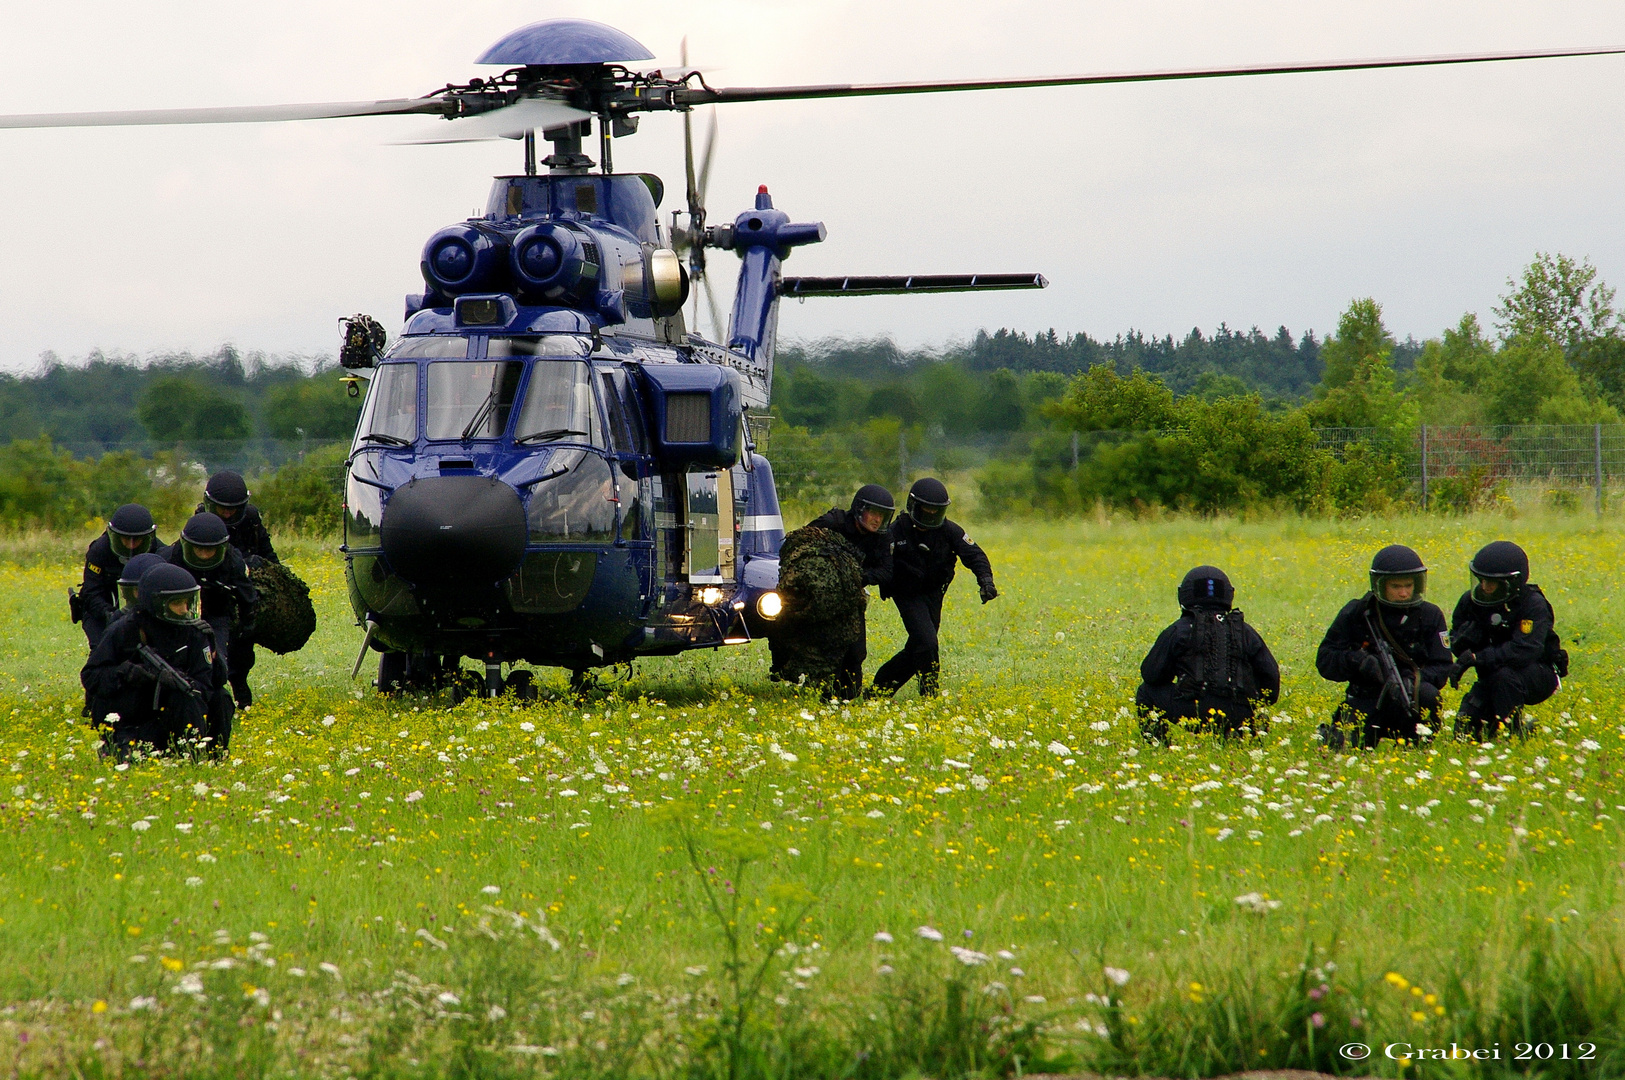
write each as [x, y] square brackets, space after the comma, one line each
[989, 590]
[131, 672]
[255, 562]
[1370, 669]
[1459, 668]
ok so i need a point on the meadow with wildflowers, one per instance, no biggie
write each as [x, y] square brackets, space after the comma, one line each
[693, 872]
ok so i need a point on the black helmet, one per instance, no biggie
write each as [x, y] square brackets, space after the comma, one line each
[161, 586]
[1501, 568]
[1206, 587]
[928, 503]
[204, 530]
[874, 497]
[227, 489]
[1398, 561]
[130, 522]
[131, 578]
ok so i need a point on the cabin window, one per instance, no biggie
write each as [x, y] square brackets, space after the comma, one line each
[558, 405]
[471, 399]
[391, 413]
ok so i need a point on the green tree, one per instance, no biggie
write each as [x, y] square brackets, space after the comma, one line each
[1557, 300]
[1531, 382]
[317, 409]
[1360, 387]
[181, 409]
[1361, 344]
[1102, 400]
[1451, 371]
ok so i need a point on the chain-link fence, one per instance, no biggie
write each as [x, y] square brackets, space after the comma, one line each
[1466, 465]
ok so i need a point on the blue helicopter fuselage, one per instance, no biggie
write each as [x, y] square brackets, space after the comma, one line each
[547, 468]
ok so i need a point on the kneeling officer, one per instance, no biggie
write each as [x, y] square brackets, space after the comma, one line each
[1210, 665]
[154, 669]
[229, 597]
[1392, 648]
[1504, 628]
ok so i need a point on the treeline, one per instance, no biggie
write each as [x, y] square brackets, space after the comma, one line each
[226, 401]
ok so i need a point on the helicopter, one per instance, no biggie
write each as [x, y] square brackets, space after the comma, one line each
[550, 469]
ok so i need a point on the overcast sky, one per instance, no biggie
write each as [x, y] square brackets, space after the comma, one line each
[1257, 201]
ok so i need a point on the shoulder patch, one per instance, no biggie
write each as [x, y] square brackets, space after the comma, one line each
[93, 568]
[966, 538]
[1444, 638]
[1527, 626]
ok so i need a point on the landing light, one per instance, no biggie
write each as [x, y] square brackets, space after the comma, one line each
[710, 596]
[768, 605]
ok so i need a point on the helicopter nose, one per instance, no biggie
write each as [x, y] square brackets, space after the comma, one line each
[454, 530]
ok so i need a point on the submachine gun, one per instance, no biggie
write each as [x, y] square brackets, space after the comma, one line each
[1395, 686]
[164, 674]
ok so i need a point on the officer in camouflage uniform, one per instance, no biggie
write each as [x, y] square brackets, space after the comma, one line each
[130, 532]
[864, 525]
[1503, 628]
[1210, 665]
[1393, 614]
[925, 546]
[226, 497]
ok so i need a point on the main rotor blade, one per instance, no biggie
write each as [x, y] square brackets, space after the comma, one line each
[231, 114]
[706, 154]
[509, 122]
[717, 326]
[707, 95]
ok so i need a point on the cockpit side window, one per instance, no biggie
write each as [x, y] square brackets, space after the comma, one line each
[470, 399]
[625, 422]
[558, 405]
[391, 414]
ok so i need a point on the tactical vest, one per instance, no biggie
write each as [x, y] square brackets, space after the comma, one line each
[1216, 665]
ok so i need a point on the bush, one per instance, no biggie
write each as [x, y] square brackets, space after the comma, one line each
[307, 495]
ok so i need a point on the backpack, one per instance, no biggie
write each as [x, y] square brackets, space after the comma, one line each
[1217, 665]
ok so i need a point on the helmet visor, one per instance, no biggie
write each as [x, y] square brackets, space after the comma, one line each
[1491, 591]
[875, 517]
[127, 547]
[927, 515]
[126, 592]
[202, 558]
[179, 607]
[1400, 590]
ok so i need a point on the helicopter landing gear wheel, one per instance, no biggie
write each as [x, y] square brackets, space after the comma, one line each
[523, 685]
[581, 681]
[493, 678]
[391, 672]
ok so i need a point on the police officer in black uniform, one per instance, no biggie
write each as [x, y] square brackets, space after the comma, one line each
[205, 551]
[1393, 614]
[864, 525]
[1503, 628]
[117, 681]
[226, 497]
[925, 546]
[130, 532]
[1210, 665]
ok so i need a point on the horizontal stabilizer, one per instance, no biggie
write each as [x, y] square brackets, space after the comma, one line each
[894, 284]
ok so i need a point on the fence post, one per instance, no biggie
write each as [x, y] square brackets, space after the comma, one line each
[1597, 464]
[1074, 451]
[1424, 467]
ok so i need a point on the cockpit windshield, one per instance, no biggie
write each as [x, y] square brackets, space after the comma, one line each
[558, 405]
[561, 345]
[471, 399]
[391, 414]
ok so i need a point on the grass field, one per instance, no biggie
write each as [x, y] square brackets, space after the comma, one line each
[694, 872]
